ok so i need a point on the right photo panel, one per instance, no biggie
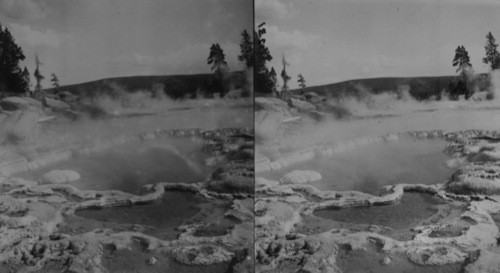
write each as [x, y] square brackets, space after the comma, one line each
[377, 131]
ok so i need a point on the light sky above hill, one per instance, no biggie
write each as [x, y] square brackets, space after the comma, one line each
[332, 41]
[85, 40]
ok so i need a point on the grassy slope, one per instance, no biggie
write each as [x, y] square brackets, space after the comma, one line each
[176, 86]
[420, 87]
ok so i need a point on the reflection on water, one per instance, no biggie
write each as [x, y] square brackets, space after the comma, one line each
[129, 166]
[406, 213]
[159, 219]
[368, 168]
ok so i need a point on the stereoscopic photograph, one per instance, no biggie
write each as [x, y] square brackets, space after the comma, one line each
[126, 136]
[242, 136]
[377, 142]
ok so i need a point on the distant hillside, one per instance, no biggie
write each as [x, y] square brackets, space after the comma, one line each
[175, 86]
[420, 87]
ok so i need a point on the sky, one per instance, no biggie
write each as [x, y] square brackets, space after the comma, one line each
[329, 41]
[85, 40]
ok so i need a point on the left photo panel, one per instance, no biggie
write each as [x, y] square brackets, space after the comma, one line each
[126, 136]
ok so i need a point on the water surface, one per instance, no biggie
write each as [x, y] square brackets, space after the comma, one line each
[408, 212]
[160, 219]
[127, 167]
[369, 167]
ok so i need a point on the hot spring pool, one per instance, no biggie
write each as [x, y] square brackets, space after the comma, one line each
[367, 168]
[159, 219]
[127, 167]
[406, 213]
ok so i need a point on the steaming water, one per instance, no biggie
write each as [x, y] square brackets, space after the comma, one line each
[367, 168]
[449, 118]
[204, 118]
[127, 167]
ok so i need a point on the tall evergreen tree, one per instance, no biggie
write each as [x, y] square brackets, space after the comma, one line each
[218, 61]
[11, 75]
[492, 57]
[462, 61]
[262, 76]
[246, 47]
[464, 67]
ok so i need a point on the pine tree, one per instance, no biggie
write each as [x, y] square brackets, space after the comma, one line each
[301, 81]
[218, 61]
[54, 80]
[11, 75]
[462, 62]
[262, 76]
[246, 47]
[492, 55]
